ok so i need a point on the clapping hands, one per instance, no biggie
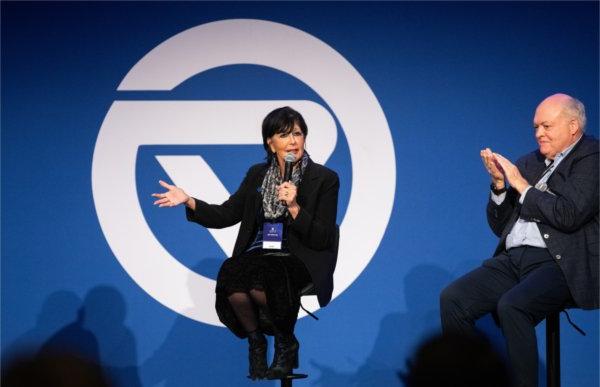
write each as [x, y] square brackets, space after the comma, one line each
[500, 168]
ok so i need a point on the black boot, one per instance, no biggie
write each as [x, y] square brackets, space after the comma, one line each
[257, 355]
[286, 356]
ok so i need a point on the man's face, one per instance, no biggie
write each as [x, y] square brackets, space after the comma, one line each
[554, 129]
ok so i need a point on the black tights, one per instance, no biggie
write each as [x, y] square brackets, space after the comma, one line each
[245, 307]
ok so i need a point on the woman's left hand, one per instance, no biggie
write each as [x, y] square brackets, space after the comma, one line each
[287, 192]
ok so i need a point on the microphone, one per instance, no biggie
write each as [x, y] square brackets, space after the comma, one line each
[289, 159]
[287, 174]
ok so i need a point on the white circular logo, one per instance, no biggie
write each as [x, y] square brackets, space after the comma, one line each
[130, 124]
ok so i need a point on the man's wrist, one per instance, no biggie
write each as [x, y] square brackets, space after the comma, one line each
[498, 188]
[522, 196]
[520, 186]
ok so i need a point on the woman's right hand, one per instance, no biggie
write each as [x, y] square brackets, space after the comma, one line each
[174, 196]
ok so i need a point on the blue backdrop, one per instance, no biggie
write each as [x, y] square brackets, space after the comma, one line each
[450, 79]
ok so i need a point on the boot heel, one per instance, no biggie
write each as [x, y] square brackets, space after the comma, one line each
[285, 359]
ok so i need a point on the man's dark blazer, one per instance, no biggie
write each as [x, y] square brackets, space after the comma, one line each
[566, 215]
[312, 236]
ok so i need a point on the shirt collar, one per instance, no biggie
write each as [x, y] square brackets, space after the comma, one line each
[558, 158]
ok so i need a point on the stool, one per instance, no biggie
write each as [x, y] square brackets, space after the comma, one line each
[553, 350]
[308, 290]
[287, 381]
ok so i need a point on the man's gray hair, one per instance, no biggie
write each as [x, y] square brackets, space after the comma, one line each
[576, 109]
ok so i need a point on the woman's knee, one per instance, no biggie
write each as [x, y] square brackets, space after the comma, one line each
[238, 298]
[259, 296]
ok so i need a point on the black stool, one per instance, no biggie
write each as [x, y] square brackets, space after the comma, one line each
[287, 381]
[553, 350]
[308, 290]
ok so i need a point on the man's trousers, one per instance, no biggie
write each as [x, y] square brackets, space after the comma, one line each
[522, 286]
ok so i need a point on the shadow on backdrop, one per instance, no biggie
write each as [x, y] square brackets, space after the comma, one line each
[104, 316]
[72, 339]
[398, 334]
[194, 353]
[75, 343]
[58, 309]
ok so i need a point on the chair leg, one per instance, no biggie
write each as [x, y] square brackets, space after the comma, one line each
[553, 350]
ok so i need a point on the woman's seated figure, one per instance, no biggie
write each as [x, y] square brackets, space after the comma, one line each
[287, 240]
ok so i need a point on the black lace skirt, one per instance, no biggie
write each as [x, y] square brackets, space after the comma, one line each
[280, 277]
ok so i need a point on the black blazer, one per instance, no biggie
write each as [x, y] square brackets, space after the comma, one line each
[312, 236]
[567, 216]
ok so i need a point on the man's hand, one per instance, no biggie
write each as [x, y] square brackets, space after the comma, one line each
[512, 174]
[493, 168]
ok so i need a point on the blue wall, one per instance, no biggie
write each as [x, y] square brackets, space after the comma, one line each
[451, 78]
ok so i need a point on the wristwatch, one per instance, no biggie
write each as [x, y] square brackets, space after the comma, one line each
[497, 191]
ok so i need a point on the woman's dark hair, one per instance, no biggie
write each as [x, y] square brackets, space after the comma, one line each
[281, 121]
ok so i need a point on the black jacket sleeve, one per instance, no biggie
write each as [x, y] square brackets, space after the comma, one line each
[498, 216]
[222, 215]
[572, 202]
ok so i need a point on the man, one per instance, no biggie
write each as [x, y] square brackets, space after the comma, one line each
[545, 211]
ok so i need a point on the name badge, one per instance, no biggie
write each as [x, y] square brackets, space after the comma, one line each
[272, 235]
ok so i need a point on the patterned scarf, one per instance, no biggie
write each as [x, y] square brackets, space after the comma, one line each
[271, 205]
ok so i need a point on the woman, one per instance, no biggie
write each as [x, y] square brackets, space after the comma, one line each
[287, 240]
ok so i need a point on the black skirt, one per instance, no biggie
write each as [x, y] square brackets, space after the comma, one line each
[280, 277]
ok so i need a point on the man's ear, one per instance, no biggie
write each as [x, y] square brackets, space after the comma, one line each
[573, 127]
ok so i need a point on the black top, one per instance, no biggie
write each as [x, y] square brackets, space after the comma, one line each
[313, 236]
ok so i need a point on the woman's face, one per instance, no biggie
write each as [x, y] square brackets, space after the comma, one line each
[283, 143]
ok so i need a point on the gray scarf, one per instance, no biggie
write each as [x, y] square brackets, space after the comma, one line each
[272, 206]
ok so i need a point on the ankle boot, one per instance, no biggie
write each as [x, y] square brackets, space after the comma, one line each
[286, 356]
[257, 355]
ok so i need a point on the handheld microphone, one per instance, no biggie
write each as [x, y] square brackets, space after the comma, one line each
[287, 171]
[289, 159]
